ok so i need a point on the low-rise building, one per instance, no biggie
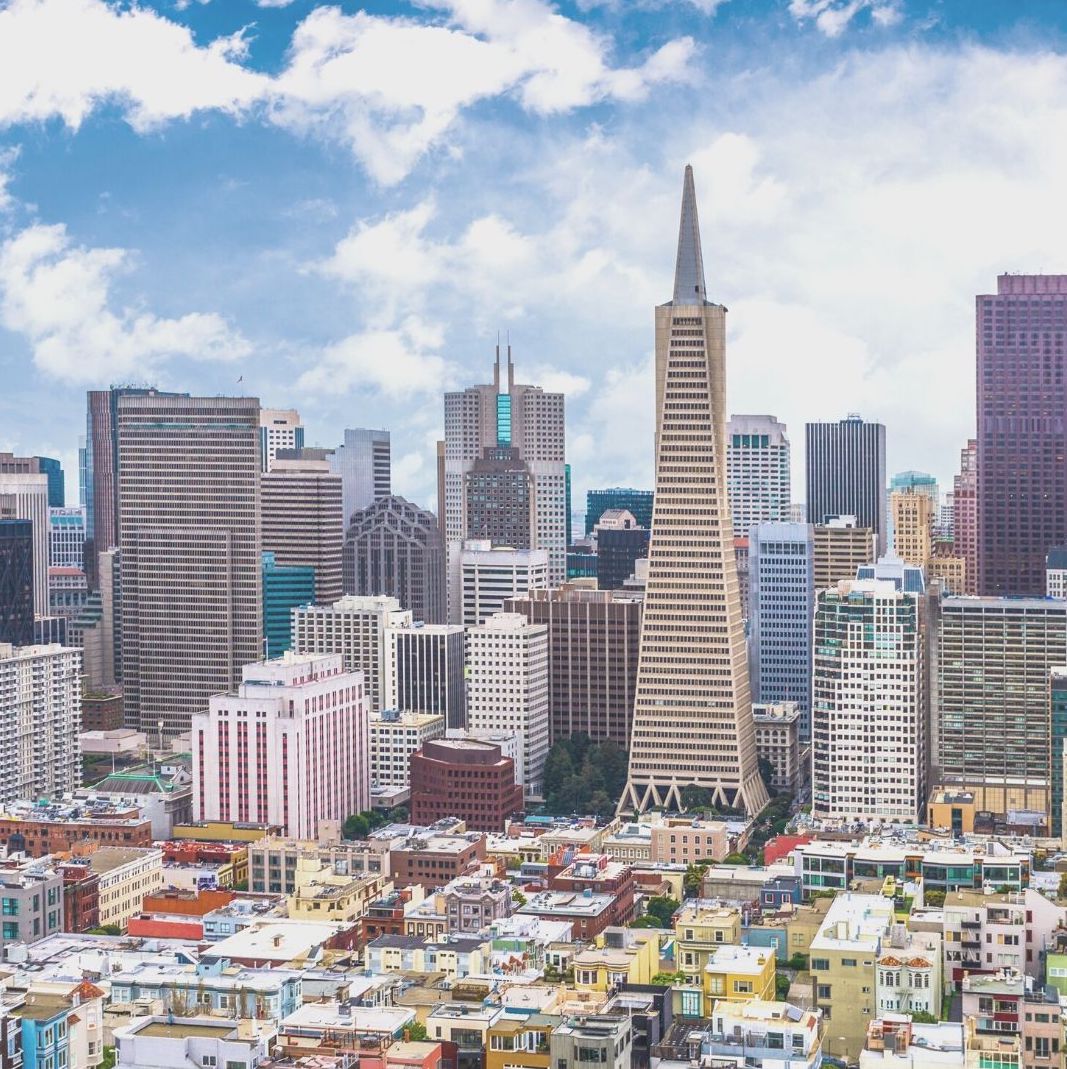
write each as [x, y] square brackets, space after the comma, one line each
[272, 860]
[463, 906]
[163, 793]
[433, 860]
[394, 737]
[894, 1041]
[62, 1025]
[843, 964]
[521, 1042]
[335, 1027]
[31, 893]
[598, 874]
[700, 929]
[169, 1042]
[602, 1040]
[909, 973]
[274, 943]
[323, 894]
[778, 743]
[687, 841]
[587, 913]
[127, 874]
[631, 843]
[737, 974]
[617, 956]
[455, 956]
[41, 829]
[773, 1035]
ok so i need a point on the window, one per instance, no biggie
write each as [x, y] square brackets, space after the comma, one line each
[820, 965]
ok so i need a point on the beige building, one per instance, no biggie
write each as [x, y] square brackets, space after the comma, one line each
[394, 737]
[700, 929]
[279, 428]
[356, 628]
[913, 525]
[302, 521]
[24, 496]
[693, 710]
[189, 522]
[778, 742]
[843, 964]
[127, 874]
[685, 842]
[950, 571]
[838, 549]
[323, 894]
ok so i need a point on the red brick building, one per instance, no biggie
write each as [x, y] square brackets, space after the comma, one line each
[81, 896]
[597, 873]
[466, 779]
[54, 831]
[435, 860]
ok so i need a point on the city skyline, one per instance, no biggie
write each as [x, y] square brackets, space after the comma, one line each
[391, 281]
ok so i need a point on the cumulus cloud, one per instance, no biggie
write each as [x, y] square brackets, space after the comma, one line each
[397, 361]
[7, 158]
[58, 295]
[832, 17]
[389, 88]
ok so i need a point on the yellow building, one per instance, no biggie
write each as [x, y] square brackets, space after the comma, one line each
[843, 966]
[699, 931]
[949, 808]
[520, 1043]
[224, 831]
[952, 571]
[838, 549]
[804, 924]
[619, 955]
[127, 874]
[323, 895]
[739, 974]
[913, 526]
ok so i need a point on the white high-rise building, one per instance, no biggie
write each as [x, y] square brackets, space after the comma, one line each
[364, 462]
[394, 737]
[358, 629]
[507, 689]
[505, 414]
[869, 708]
[427, 669]
[66, 537]
[757, 472]
[279, 428]
[488, 577]
[24, 496]
[290, 747]
[40, 714]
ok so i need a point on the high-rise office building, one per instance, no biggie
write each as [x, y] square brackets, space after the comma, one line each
[285, 587]
[620, 543]
[394, 737]
[845, 469]
[913, 525]
[918, 482]
[189, 494]
[66, 538]
[965, 514]
[364, 462]
[40, 708]
[49, 467]
[1058, 749]
[427, 671]
[395, 548]
[16, 581]
[869, 715]
[500, 498]
[289, 747]
[24, 496]
[279, 428]
[781, 602]
[890, 569]
[693, 711]
[1022, 434]
[500, 415]
[97, 629]
[302, 521]
[758, 471]
[593, 640]
[637, 502]
[507, 689]
[838, 549]
[358, 629]
[990, 665]
[489, 575]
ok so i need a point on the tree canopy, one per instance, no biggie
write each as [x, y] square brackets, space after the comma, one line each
[582, 776]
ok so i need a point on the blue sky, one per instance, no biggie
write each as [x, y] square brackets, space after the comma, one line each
[342, 205]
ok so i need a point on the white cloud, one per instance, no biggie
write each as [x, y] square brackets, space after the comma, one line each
[7, 158]
[832, 17]
[59, 296]
[273, 3]
[399, 362]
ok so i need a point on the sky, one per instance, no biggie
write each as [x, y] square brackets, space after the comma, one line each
[339, 207]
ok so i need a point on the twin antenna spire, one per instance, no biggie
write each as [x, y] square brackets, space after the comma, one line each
[511, 366]
[689, 268]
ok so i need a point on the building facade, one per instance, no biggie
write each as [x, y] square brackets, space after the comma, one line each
[620, 543]
[490, 575]
[913, 514]
[692, 711]
[394, 737]
[965, 514]
[845, 472]
[302, 524]
[358, 629]
[66, 537]
[507, 688]
[869, 712]
[778, 743]
[289, 747]
[285, 587]
[464, 778]
[758, 471]
[990, 664]
[24, 496]
[838, 549]
[427, 671]
[364, 462]
[1022, 438]
[279, 428]
[781, 601]
[189, 508]
[40, 708]
[16, 581]
[395, 548]
[505, 414]
[593, 642]
[636, 502]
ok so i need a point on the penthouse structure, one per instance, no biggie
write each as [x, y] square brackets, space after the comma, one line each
[758, 471]
[290, 747]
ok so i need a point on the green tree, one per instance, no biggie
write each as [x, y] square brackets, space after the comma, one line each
[667, 979]
[694, 877]
[108, 1061]
[356, 827]
[782, 983]
[766, 771]
[662, 909]
[694, 797]
[923, 1017]
[736, 859]
[415, 1032]
[934, 898]
[518, 898]
[1063, 885]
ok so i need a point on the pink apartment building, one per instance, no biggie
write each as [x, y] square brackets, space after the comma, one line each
[291, 747]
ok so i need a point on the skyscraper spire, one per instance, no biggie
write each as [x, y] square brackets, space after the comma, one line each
[689, 268]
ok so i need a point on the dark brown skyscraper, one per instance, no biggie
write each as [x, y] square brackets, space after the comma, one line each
[189, 529]
[1022, 439]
